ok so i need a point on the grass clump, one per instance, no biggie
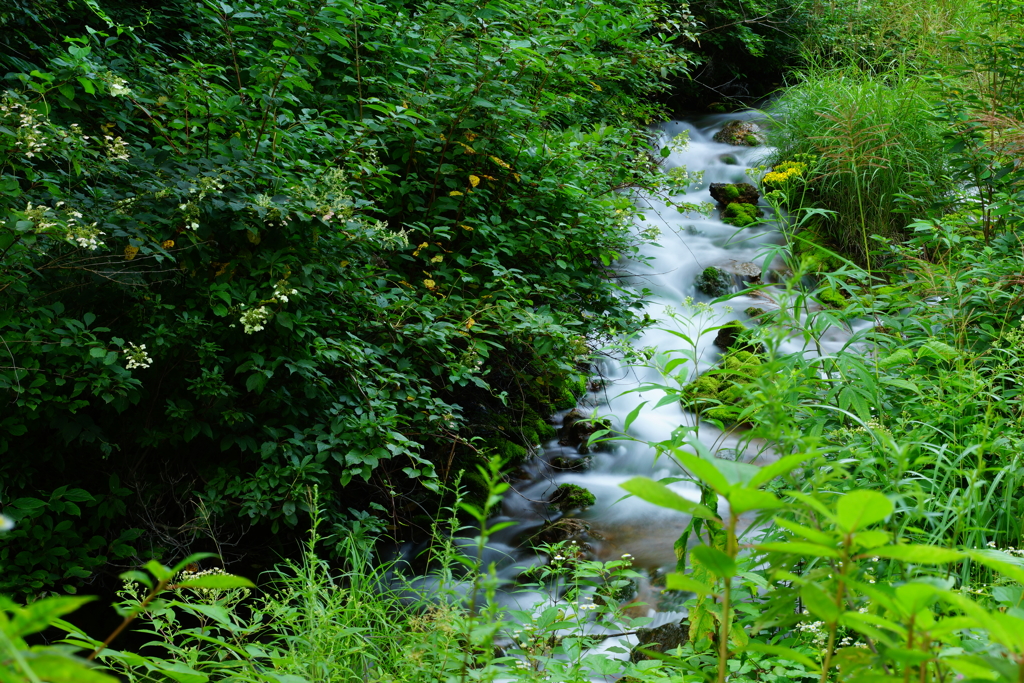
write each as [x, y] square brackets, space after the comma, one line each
[874, 139]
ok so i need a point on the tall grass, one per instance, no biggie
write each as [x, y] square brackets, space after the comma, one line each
[875, 140]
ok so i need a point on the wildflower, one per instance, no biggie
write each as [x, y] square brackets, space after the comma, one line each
[167, 244]
[559, 557]
[282, 291]
[6, 523]
[117, 86]
[430, 284]
[253, 319]
[137, 356]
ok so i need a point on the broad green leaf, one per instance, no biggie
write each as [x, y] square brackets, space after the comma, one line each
[57, 669]
[971, 666]
[660, 495]
[217, 581]
[778, 468]
[813, 535]
[938, 350]
[898, 357]
[714, 560]
[633, 415]
[912, 597]
[860, 509]
[705, 470]
[782, 653]
[871, 539]
[1002, 563]
[799, 548]
[676, 581]
[819, 603]
[917, 554]
[743, 499]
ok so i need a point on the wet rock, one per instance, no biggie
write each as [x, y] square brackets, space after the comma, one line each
[741, 133]
[729, 160]
[565, 530]
[727, 193]
[751, 272]
[713, 281]
[754, 311]
[567, 463]
[577, 428]
[571, 497]
[729, 334]
[661, 639]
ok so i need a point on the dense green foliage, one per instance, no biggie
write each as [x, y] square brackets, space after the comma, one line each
[250, 249]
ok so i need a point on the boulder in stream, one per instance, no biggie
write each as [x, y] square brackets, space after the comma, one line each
[727, 193]
[571, 497]
[719, 394]
[741, 133]
[713, 281]
[577, 428]
[660, 639]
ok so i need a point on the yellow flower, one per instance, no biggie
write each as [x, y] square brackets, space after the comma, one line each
[474, 181]
[454, 193]
[167, 244]
[130, 252]
[430, 284]
[470, 323]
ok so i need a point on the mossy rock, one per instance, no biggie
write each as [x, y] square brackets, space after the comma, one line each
[741, 214]
[812, 249]
[509, 451]
[566, 463]
[713, 281]
[726, 193]
[718, 394]
[754, 311]
[729, 160]
[740, 133]
[832, 297]
[571, 497]
[577, 428]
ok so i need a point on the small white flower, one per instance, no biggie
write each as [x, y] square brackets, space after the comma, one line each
[6, 523]
[253, 319]
[137, 357]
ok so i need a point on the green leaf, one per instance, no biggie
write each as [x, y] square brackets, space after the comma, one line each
[714, 560]
[899, 357]
[819, 603]
[778, 468]
[799, 548]
[217, 581]
[660, 495]
[743, 499]
[782, 653]
[705, 470]
[57, 669]
[676, 581]
[918, 554]
[860, 509]
[938, 350]
[971, 666]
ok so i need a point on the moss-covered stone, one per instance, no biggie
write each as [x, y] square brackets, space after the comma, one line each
[713, 281]
[814, 252]
[571, 497]
[726, 193]
[566, 463]
[754, 311]
[741, 214]
[743, 133]
[832, 297]
[718, 394]
[509, 451]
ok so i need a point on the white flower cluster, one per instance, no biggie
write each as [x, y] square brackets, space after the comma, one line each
[117, 149]
[6, 523]
[282, 291]
[389, 239]
[137, 357]
[681, 142]
[1015, 552]
[191, 211]
[254, 319]
[117, 86]
[31, 137]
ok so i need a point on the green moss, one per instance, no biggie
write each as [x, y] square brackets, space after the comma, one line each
[713, 281]
[719, 394]
[754, 312]
[740, 215]
[832, 298]
[571, 497]
[731, 192]
[509, 451]
[814, 251]
[752, 140]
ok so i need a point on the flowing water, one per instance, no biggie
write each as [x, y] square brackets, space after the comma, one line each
[688, 243]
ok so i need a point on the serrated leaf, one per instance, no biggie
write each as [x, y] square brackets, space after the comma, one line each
[714, 560]
[860, 509]
[819, 603]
